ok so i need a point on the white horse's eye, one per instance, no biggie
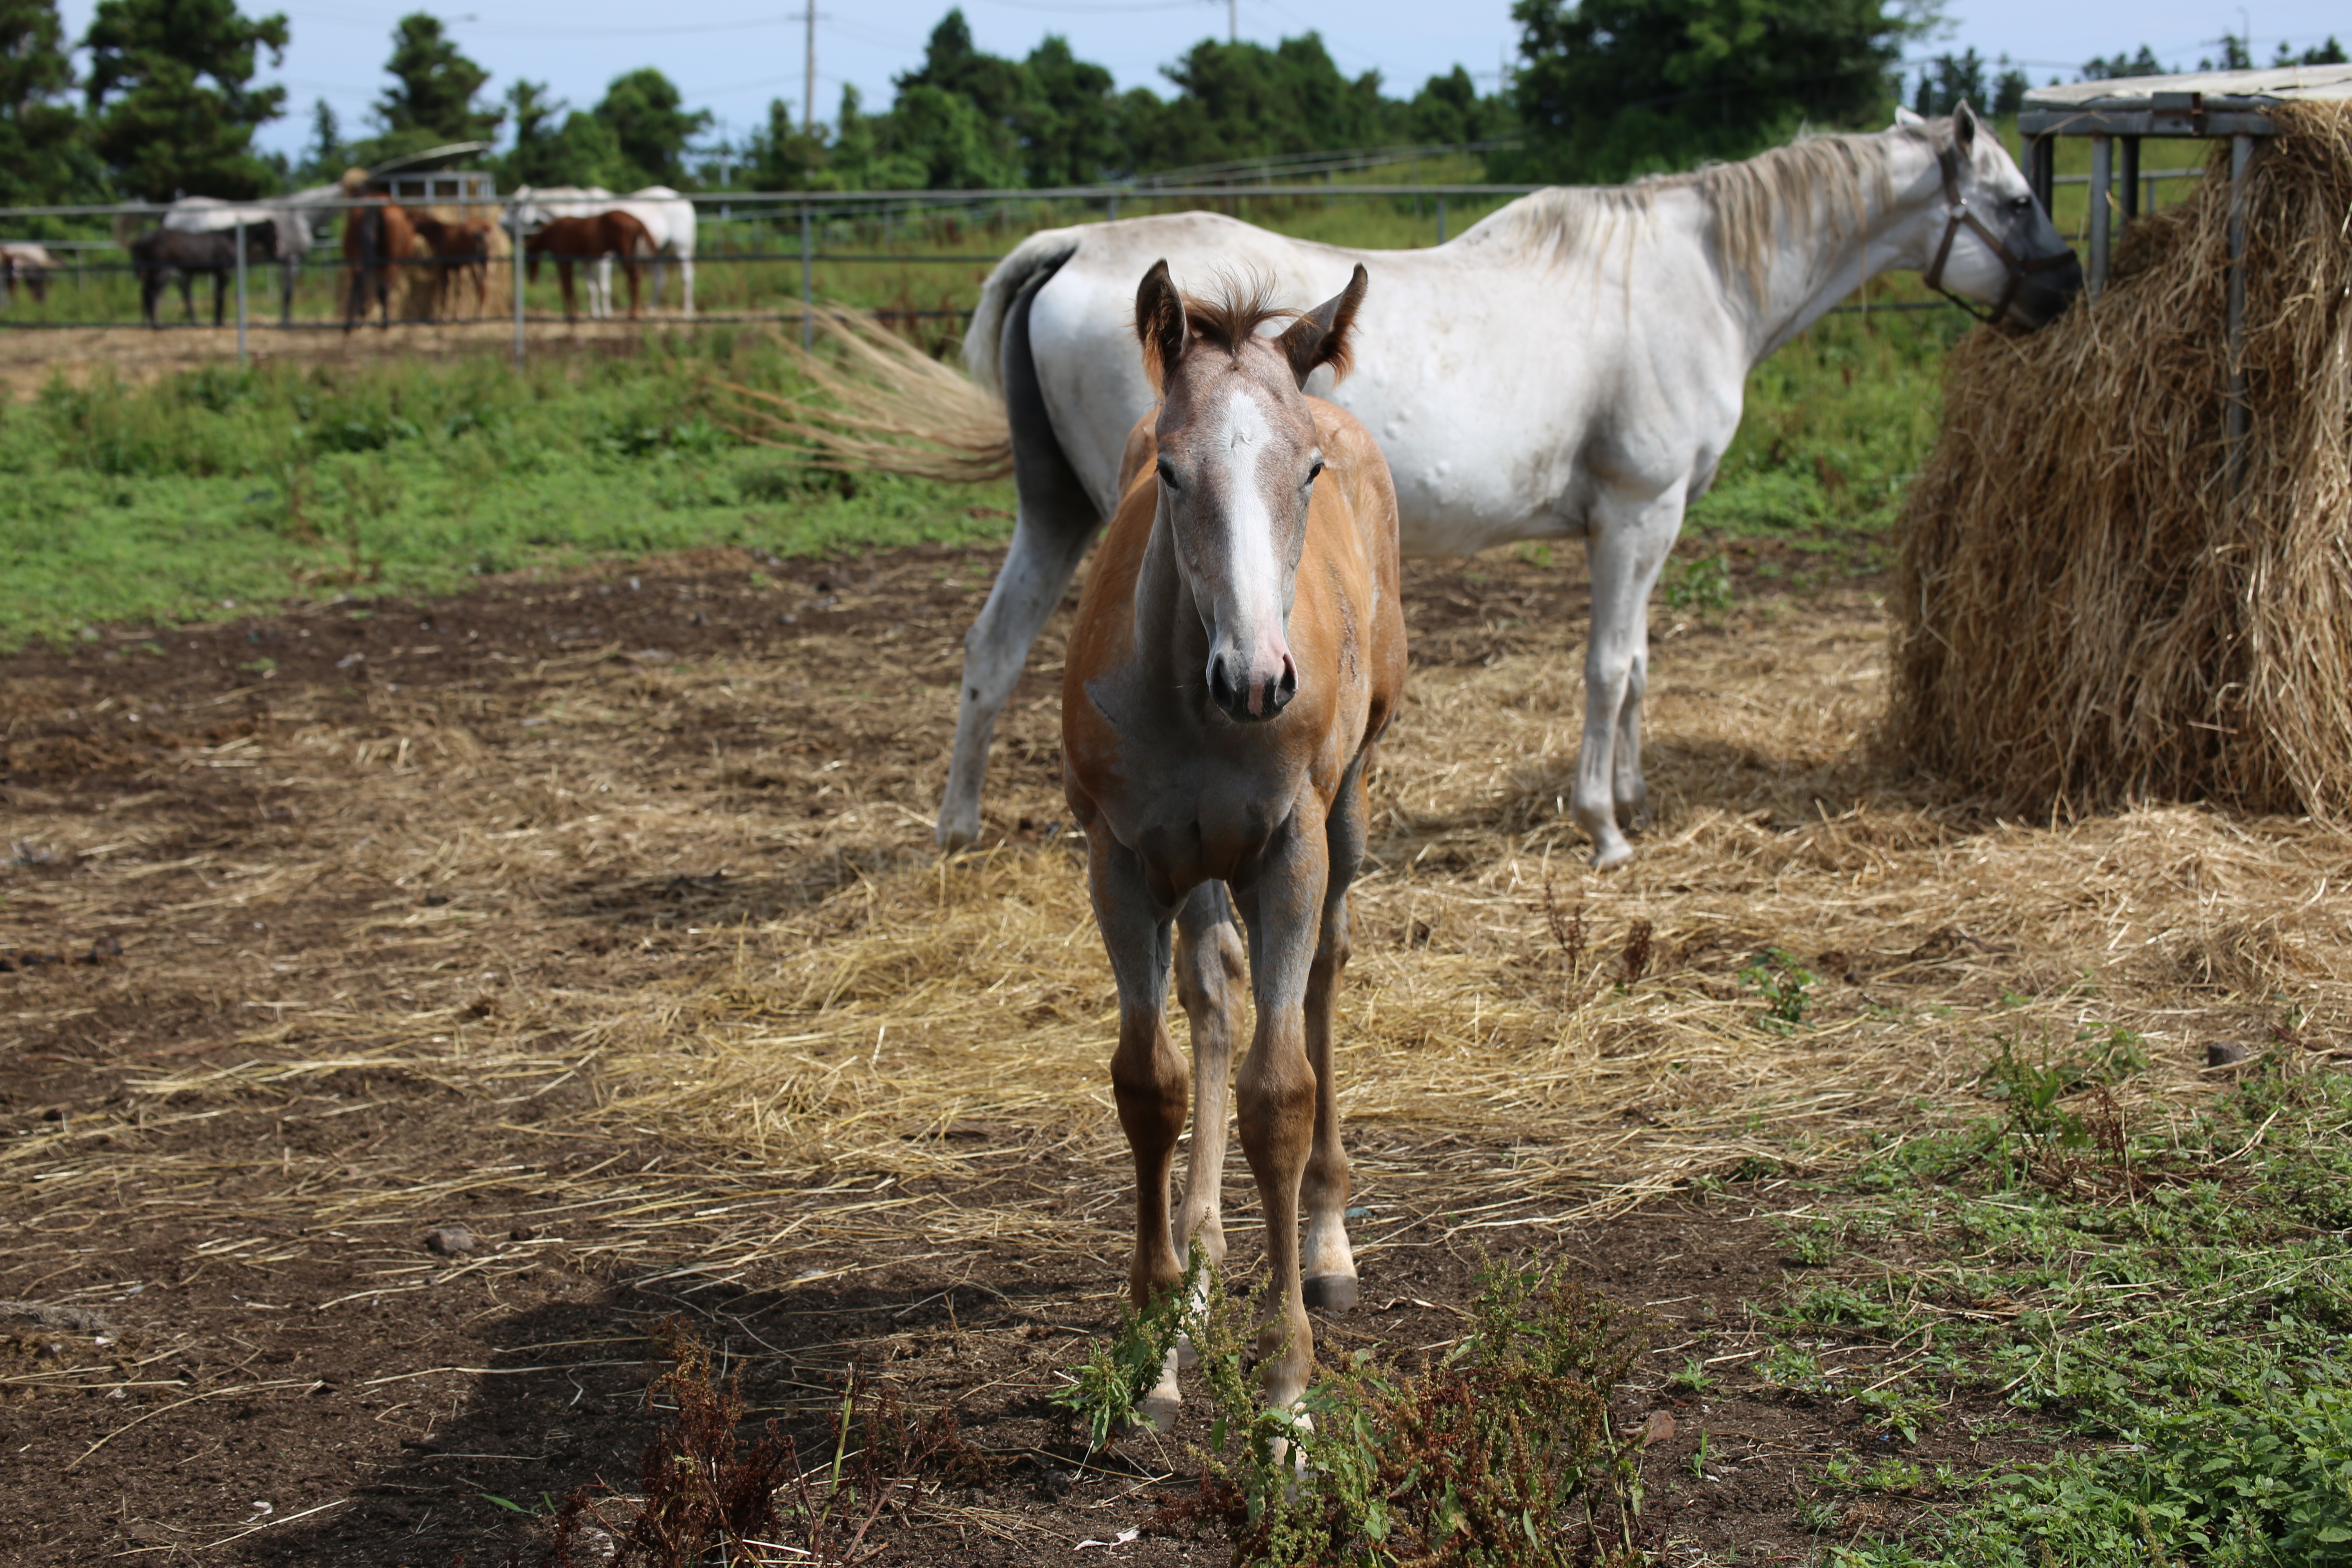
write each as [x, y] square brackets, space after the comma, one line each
[1314, 471]
[1168, 475]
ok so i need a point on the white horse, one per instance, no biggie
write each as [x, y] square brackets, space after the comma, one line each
[1571, 367]
[669, 223]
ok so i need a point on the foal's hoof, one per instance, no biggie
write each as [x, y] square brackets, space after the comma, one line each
[1158, 1411]
[1329, 1292]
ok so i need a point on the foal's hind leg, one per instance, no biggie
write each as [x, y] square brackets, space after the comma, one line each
[1328, 1265]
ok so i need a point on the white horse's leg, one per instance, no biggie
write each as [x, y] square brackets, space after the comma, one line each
[1036, 569]
[1627, 789]
[1057, 521]
[1625, 549]
[685, 285]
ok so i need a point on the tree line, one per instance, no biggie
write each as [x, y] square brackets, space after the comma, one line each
[1602, 90]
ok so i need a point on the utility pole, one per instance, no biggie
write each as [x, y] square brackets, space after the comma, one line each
[1232, 21]
[808, 89]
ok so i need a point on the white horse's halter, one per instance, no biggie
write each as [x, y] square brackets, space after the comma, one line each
[1956, 217]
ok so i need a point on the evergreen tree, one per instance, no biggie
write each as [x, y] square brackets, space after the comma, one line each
[435, 85]
[41, 158]
[172, 109]
[1244, 101]
[1610, 89]
[1066, 118]
[1948, 81]
[327, 155]
[649, 127]
[2120, 64]
[1448, 110]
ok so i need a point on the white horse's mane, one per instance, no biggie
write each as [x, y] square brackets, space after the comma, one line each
[1831, 180]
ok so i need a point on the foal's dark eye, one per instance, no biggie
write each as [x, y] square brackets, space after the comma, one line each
[1168, 475]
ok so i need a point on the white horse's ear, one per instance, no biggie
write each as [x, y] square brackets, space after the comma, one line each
[1321, 337]
[1964, 127]
[1904, 116]
[1160, 323]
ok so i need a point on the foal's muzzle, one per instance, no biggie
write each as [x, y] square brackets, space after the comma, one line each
[1249, 702]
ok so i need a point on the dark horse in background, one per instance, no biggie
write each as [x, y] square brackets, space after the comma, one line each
[460, 251]
[161, 256]
[377, 237]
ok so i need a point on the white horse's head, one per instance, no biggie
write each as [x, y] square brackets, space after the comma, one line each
[1983, 236]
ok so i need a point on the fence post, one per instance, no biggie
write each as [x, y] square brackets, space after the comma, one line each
[808, 296]
[514, 264]
[240, 293]
[1440, 219]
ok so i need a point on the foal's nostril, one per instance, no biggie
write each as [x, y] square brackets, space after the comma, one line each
[1221, 688]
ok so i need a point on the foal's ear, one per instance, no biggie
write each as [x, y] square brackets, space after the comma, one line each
[1320, 336]
[1160, 323]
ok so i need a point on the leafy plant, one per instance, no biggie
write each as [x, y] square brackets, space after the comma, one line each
[1105, 1388]
[1500, 1454]
[1700, 584]
[1782, 982]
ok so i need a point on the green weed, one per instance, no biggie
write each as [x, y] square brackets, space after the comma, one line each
[1700, 584]
[1782, 983]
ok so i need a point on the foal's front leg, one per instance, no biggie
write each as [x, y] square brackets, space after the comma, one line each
[1329, 1265]
[1276, 1083]
[1147, 1078]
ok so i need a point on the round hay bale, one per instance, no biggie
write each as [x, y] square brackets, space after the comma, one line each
[2087, 610]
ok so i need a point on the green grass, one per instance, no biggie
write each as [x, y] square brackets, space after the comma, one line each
[1836, 424]
[218, 492]
[2172, 1300]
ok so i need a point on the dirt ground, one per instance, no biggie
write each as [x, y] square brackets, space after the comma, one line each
[30, 356]
[320, 930]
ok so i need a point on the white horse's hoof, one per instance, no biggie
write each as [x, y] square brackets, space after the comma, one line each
[1158, 1411]
[954, 833]
[1608, 855]
[1329, 1292]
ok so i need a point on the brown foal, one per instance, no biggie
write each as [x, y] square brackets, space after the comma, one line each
[1238, 651]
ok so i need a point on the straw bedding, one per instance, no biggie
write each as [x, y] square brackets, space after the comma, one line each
[2089, 612]
[688, 901]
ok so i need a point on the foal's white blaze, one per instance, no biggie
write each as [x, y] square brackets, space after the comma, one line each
[1247, 621]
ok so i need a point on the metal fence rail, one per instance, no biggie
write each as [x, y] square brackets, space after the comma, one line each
[762, 219]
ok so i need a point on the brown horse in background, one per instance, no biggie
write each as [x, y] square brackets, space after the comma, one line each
[377, 237]
[1238, 651]
[570, 239]
[459, 250]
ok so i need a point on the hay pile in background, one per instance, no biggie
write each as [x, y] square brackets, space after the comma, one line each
[2085, 612]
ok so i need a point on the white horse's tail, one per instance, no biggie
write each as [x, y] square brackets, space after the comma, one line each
[1043, 251]
[895, 409]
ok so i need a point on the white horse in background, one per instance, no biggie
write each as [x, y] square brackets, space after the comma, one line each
[27, 262]
[669, 221]
[297, 221]
[1571, 367]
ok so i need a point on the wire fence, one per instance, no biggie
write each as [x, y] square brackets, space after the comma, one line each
[912, 256]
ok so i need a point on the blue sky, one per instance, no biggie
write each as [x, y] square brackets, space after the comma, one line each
[732, 56]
